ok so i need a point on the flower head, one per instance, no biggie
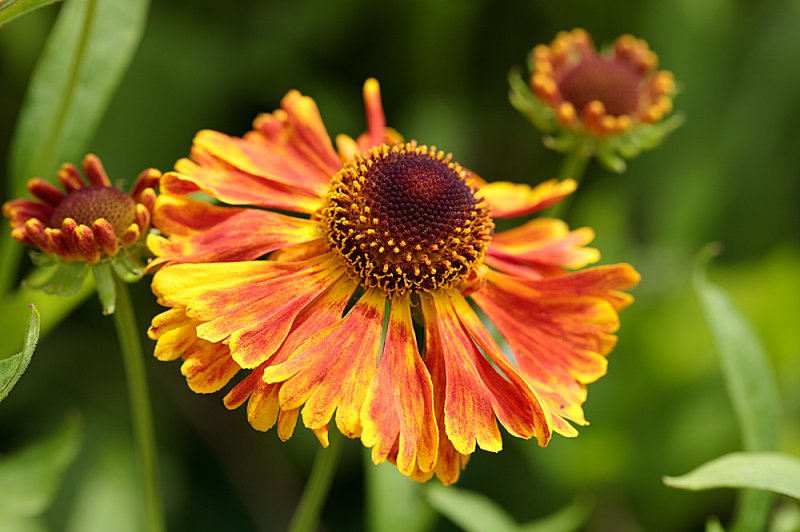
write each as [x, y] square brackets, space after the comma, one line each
[88, 225]
[615, 97]
[364, 307]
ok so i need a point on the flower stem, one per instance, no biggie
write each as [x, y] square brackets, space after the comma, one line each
[306, 515]
[573, 167]
[141, 412]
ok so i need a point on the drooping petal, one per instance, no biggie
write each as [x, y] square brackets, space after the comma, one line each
[508, 200]
[200, 232]
[543, 246]
[237, 304]
[333, 369]
[174, 333]
[209, 368]
[263, 407]
[516, 405]
[560, 329]
[397, 416]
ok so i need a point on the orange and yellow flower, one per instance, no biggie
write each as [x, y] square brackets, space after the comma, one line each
[90, 225]
[615, 97]
[365, 303]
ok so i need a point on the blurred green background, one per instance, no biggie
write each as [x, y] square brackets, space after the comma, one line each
[730, 174]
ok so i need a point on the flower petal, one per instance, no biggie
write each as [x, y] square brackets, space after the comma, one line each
[543, 246]
[263, 408]
[560, 329]
[332, 370]
[397, 416]
[249, 305]
[200, 232]
[208, 369]
[514, 199]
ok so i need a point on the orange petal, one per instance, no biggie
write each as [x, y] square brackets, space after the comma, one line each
[273, 162]
[560, 329]
[263, 408]
[469, 409]
[543, 246]
[230, 185]
[200, 232]
[514, 199]
[397, 416]
[174, 333]
[249, 305]
[517, 407]
[208, 369]
[334, 367]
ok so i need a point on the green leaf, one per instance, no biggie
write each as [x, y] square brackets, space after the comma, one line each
[713, 525]
[12, 368]
[106, 288]
[394, 503]
[775, 472]
[571, 517]
[745, 366]
[30, 478]
[85, 57]
[751, 385]
[471, 511]
[11, 9]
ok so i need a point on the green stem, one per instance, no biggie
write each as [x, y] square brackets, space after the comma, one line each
[306, 515]
[141, 412]
[573, 167]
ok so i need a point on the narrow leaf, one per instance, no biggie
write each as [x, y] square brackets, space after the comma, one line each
[571, 517]
[471, 511]
[11, 9]
[84, 59]
[12, 368]
[776, 472]
[30, 478]
[748, 376]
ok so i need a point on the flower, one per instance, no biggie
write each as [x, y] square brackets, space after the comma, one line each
[88, 226]
[385, 235]
[615, 97]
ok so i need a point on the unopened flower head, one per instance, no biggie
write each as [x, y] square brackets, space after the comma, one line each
[617, 97]
[384, 231]
[86, 225]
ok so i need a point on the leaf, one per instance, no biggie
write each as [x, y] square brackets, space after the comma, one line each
[471, 511]
[713, 525]
[30, 478]
[571, 517]
[84, 59]
[751, 384]
[12, 368]
[11, 9]
[775, 472]
[745, 366]
[395, 503]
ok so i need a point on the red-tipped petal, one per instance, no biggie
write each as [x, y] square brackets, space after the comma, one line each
[70, 177]
[105, 237]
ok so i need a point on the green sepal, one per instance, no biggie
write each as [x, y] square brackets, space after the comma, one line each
[129, 265]
[63, 278]
[535, 110]
[106, 289]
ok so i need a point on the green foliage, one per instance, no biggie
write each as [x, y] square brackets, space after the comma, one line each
[776, 472]
[11, 9]
[474, 512]
[30, 478]
[12, 368]
[394, 504]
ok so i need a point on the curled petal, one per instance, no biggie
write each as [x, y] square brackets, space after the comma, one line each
[210, 368]
[513, 199]
[105, 237]
[45, 191]
[70, 177]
